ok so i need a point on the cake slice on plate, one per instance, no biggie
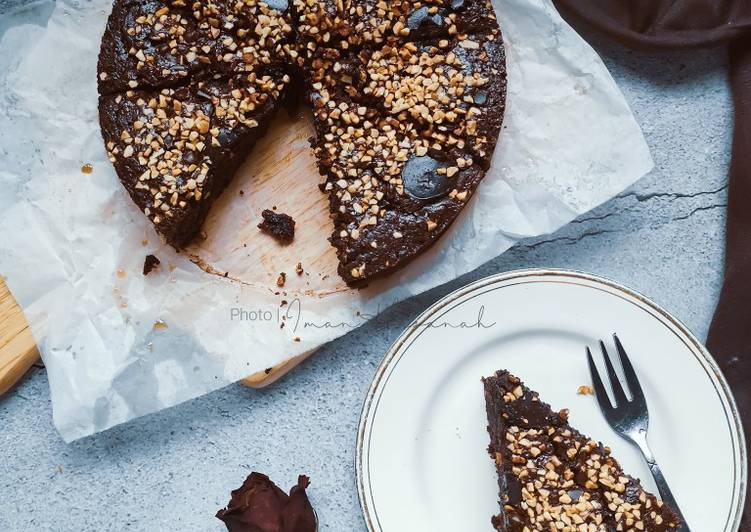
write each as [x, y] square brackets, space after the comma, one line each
[552, 477]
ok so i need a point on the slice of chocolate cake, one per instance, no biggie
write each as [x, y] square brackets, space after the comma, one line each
[176, 149]
[404, 136]
[551, 477]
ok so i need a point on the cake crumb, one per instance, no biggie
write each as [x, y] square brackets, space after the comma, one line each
[150, 263]
[281, 279]
[299, 269]
[585, 390]
[279, 225]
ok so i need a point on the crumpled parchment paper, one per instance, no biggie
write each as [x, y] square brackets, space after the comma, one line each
[118, 345]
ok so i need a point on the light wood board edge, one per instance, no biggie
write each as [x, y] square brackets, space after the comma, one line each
[18, 351]
[263, 379]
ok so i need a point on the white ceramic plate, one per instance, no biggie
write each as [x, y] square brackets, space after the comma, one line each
[422, 463]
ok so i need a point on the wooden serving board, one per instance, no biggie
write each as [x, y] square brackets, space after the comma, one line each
[280, 172]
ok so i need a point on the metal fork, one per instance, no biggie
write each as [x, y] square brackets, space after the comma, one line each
[630, 419]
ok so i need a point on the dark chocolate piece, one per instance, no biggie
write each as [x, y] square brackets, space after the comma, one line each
[552, 477]
[260, 506]
[149, 264]
[279, 225]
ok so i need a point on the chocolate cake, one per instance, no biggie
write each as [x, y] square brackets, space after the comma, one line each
[551, 477]
[407, 97]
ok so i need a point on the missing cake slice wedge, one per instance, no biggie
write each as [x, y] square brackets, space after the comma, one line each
[552, 477]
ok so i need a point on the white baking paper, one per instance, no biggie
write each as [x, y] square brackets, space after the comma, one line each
[72, 245]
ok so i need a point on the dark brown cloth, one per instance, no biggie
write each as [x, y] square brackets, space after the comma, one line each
[673, 24]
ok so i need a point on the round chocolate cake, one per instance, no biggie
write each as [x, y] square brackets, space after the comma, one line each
[407, 98]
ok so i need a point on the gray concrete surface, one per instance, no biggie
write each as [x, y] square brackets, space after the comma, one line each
[173, 470]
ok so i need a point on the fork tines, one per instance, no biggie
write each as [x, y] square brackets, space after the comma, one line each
[619, 393]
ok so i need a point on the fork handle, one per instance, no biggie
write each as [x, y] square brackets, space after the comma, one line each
[640, 439]
[665, 493]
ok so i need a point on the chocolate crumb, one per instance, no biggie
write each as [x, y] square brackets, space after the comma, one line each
[299, 269]
[279, 225]
[281, 279]
[267, 371]
[296, 338]
[149, 264]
